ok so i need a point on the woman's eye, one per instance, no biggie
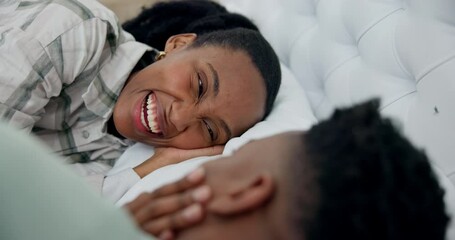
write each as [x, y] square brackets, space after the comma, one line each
[200, 86]
[210, 131]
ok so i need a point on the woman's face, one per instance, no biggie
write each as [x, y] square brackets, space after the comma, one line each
[192, 98]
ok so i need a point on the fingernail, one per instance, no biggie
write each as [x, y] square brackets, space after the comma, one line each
[196, 175]
[192, 213]
[201, 194]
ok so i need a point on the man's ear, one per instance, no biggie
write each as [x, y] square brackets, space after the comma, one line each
[179, 41]
[246, 196]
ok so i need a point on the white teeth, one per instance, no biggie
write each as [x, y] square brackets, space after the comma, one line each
[151, 117]
[142, 118]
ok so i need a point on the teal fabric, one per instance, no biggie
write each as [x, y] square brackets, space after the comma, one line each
[41, 199]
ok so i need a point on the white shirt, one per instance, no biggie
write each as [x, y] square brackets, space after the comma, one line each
[112, 187]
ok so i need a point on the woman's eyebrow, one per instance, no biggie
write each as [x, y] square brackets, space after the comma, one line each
[216, 80]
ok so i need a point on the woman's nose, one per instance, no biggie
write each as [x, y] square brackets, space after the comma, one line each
[182, 115]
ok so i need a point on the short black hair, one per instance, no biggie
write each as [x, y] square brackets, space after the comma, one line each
[369, 182]
[156, 24]
[214, 26]
[257, 48]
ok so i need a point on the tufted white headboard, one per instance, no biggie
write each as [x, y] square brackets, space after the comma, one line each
[347, 51]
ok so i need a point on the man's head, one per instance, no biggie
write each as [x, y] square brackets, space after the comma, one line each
[352, 176]
[206, 90]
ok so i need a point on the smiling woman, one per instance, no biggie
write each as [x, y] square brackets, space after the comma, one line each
[194, 77]
[184, 110]
[210, 84]
[195, 97]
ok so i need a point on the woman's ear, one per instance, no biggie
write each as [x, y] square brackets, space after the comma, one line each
[178, 41]
[247, 196]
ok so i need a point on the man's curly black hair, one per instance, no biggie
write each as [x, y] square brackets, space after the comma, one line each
[368, 182]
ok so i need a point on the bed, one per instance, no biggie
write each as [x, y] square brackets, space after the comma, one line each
[338, 53]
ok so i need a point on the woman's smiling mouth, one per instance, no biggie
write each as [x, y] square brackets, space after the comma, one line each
[149, 115]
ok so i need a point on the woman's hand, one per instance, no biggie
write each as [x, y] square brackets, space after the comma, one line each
[169, 155]
[172, 207]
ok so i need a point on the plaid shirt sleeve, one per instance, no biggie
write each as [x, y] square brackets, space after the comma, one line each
[63, 64]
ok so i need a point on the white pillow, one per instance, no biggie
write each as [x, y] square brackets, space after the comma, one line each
[291, 112]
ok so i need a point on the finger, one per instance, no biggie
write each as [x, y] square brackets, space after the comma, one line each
[162, 206]
[191, 180]
[188, 217]
[170, 204]
[214, 150]
[139, 202]
[209, 151]
[166, 235]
